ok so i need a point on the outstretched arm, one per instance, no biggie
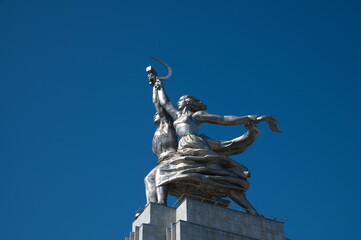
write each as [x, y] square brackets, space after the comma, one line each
[164, 101]
[202, 116]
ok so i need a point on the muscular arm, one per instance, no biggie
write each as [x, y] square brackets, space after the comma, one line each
[202, 116]
[157, 105]
[234, 120]
[165, 103]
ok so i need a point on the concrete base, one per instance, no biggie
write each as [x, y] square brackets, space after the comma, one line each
[195, 220]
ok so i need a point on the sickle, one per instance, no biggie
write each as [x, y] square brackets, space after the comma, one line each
[166, 65]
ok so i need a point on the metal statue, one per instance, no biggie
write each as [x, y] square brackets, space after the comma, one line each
[196, 164]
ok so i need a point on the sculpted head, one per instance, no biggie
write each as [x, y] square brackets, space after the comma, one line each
[192, 102]
[156, 118]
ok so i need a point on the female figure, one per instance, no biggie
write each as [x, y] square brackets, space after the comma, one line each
[200, 166]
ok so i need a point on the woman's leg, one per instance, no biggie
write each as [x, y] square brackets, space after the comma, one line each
[242, 201]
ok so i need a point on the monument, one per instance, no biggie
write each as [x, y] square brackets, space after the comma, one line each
[198, 171]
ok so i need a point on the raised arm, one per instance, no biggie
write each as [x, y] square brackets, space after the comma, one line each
[156, 102]
[164, 101]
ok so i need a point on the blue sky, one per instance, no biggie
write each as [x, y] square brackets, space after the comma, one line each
[76, 113]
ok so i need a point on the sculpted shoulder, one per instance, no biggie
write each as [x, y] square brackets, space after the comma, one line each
[200, 115]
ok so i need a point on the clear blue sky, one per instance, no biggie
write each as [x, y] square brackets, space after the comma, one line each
[76, 113]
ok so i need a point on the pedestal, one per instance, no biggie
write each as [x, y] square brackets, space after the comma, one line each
[196, 220]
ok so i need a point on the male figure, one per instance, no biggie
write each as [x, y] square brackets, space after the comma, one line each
[164, 144]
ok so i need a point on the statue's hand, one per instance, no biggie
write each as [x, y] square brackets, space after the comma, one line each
[152, 79]
[252, 120]
[272, 122]
[158, 85]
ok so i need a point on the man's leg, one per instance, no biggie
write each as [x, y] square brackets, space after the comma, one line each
[150, 189]
[162, 194]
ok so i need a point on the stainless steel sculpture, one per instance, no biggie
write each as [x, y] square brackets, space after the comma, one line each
[197, 164]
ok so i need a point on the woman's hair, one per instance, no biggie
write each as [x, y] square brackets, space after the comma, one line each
[195, 104]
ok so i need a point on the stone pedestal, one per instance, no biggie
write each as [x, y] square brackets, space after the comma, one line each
[196, 220]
